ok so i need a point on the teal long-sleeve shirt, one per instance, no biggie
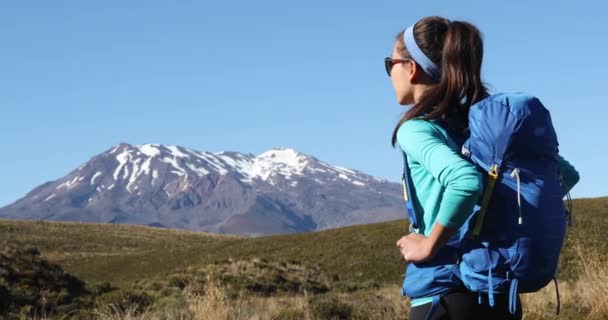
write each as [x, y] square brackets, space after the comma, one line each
[446, 186]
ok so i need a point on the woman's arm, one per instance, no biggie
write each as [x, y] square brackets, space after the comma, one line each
[422, 142]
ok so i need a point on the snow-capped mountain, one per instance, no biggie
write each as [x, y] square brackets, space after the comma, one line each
[278, 191]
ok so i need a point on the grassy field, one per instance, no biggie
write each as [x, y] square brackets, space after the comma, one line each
[124, 253]
[356, 265]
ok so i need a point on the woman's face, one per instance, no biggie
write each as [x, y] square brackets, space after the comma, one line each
[401, 77]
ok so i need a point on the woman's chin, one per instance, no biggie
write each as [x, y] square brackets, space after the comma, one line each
[404, 102]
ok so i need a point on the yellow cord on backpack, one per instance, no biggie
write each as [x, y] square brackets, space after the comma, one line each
[492, 179]
[404, 190]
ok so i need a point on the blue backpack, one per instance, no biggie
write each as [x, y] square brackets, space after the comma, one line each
[512, 241]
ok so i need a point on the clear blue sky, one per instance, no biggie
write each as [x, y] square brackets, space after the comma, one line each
[77, 77]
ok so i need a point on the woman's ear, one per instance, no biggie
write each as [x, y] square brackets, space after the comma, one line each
[416, 75]
[413, 71]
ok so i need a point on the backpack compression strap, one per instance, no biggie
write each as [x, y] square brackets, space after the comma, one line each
[492, 179]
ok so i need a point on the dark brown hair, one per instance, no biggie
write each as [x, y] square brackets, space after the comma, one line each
[457, 47]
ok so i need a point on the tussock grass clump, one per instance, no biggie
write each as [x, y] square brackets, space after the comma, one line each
[30, 285]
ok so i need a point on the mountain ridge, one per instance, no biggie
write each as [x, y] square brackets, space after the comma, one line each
[278, 191]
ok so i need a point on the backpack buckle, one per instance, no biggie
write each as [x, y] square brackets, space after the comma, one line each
[413, 228]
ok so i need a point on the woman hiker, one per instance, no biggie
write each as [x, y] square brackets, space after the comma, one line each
[435, 68]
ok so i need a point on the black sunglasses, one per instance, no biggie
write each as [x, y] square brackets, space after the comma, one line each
[390, 62]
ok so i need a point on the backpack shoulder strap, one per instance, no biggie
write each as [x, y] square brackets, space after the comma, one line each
[407, 194]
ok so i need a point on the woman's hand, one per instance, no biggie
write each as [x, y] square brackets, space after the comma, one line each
[415, 247]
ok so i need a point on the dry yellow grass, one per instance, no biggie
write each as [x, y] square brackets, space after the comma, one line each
[213, 304]
[587, 296]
